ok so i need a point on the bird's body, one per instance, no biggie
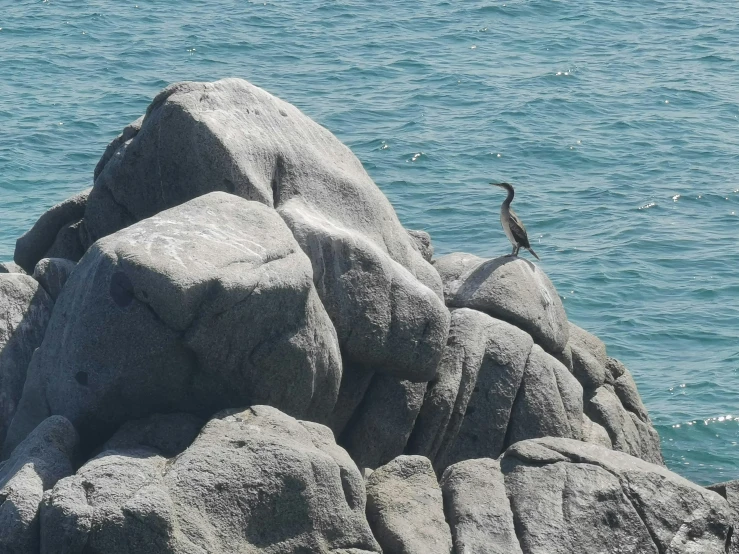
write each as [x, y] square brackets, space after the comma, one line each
[512, 226]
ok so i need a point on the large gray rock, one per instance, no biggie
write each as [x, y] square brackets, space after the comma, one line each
[588, 358]
[625, 388]
[405, 508]
[549, 403]
[52, 274]
[34, 466]
[477, 508]
[37, 241]
[25, 309]
[205, 306]
[68, 244]
[384, 420]
[594, 433]
[11, 267]
[253, 481]
[628, 433]
[422, 240]
[168, 434]
[730, 491]
[510, 288]
[568, 496]
[382, 296]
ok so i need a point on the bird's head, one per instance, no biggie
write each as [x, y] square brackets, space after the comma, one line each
[506, 186]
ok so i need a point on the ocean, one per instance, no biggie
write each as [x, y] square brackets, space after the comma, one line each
[618, 124]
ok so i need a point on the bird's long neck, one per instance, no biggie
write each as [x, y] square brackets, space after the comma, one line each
[509, 198]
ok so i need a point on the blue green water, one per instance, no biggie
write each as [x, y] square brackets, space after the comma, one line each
[617, 122]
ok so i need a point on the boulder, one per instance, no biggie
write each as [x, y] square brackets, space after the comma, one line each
[422, 240]
[52, 274]
[168, 434]
[405, 508]
[730, 491]
[25, 309]
[36, 242]
[510, 288]
[205, 306]
[625, 388]
[487, 357]
[588, 358]
[549, 403]
[594, 433]
[253, 481]
[477, 508]
[68, 244]
[33, 467]
[382, 296]
[627, 432]
[383, 421]
[11, 267]
[569, 496]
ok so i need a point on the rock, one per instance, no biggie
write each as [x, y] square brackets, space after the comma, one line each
[68, 244]
[510, 288]
[355, 380]
[487, 358]
[477, 508]
[625, 388]
[33, 467]
[168, 434]
[35, 243]
[730, 491]
[405, 508]
[586, 498]
[627, 432]
[549, 403]
[383, 421]
[52, 273]
[253, 481]
[422, 240]
[11, 267]
[588, 358]
[594, 433]
[565, 357]
[383, 298]
[205, 306]
[25, 309]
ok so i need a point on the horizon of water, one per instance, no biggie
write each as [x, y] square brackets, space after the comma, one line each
[618, 125]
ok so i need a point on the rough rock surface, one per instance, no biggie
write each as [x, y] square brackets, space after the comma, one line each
[52, 273]
[510, 288]
[588, 358]
[11, 267]
[382, 296]
[594, 433]
[34, 466]
[422, 241]
[253, 481]
[730, 491]
[36, 242]
[405, 508]
[168, 434]
[477, 508]
[568, 496]
[25, 309]
[205, 306]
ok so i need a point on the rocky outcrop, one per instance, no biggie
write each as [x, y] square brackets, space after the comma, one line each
[405, 508]
[509, 288]
[24, 314]
[52, 274]
[423, 243]
[34, 467]
[41, 238]
[568, 496]
[382, 296]
[253, 481]
[205, 306]
[167, 434]
[11, 267]
[730, 491]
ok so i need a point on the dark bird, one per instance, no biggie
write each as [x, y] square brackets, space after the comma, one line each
[512, 225]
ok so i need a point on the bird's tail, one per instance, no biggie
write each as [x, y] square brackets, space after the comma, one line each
[534, 253]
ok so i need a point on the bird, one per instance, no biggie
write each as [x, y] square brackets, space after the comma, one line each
[512, 225]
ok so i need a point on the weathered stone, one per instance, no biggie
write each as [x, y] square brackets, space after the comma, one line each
[405, 508]
[730, 491]
[598, 500]
[25, 309]
[52, 274]
[383, 421]
[168, 434]
[477, 508]
[494, 355]
[11, 267]
[588, 358]
[68, 243]
[510, 288]
[549, 403]
[422, 240]
[594, 433]
[627, 432]
[625, 388]
[35, 243]
[205, 306]
[33, 467]
[382, 296]
[355, 380]
[253, 481]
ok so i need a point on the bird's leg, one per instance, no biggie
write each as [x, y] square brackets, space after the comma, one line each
[513, 252]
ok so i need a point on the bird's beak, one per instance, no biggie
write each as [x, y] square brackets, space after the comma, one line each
[497, 184]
